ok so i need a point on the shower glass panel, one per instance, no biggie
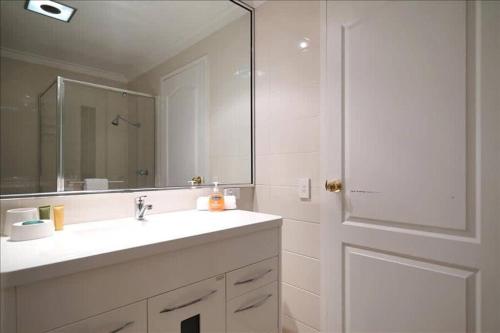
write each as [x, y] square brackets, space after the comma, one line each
[48, 139]
[108, 136]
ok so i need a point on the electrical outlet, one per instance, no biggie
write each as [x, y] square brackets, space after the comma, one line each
[304, 188]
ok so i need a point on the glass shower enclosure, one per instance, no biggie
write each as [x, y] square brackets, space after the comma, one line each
[90, 133]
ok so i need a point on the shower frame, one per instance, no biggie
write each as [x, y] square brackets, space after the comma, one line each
[60, 82]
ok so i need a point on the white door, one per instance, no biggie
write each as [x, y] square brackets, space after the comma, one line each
[183, 123]
[411, 126]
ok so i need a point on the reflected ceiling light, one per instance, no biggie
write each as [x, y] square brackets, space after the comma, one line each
[304, 43]
[51, 9]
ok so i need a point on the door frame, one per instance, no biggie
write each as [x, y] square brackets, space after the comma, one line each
[162, 147]
[326, 123]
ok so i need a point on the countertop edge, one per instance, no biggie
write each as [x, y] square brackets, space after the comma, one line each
[39, 273]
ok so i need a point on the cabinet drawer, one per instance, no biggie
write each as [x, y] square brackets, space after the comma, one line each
[128, 319]
[254, 312]
[199, 307]
[251, 277]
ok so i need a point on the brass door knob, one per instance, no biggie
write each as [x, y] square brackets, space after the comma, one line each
[333, 185]
[197, 180]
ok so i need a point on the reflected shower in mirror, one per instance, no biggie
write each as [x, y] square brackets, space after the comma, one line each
[125, 95]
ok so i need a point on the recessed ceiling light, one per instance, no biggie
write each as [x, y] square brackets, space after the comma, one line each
[51, 9]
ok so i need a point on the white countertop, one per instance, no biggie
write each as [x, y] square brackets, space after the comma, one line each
[91, 245]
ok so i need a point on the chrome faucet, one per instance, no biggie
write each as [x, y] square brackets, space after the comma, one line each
[141, 207]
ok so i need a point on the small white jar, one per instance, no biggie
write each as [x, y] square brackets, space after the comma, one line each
[18, 215]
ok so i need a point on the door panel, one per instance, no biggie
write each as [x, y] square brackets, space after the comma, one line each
[405, 112]
[419, 296]
[406, 245]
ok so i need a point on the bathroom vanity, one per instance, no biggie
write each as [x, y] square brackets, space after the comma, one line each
[186, 271]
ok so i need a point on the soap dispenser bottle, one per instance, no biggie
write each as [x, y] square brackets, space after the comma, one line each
[216, 199]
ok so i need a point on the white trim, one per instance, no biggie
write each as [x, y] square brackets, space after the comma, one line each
[61, 64]
[325, 228]
[253, 3]
[159, 177]
[202, 169]
[185, 67]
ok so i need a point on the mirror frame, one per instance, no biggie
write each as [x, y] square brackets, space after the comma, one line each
[251, 11]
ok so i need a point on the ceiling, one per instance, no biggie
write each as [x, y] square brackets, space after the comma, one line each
[121, 38]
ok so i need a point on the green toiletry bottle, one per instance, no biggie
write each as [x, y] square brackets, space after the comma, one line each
[44, 212]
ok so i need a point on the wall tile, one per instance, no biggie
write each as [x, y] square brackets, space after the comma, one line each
[294, 135]
[245, 202]
[292, 325]
[287, 146]
[285, 201]
[262, 173]
[285, 169]
[302, 272]
[94, 207]
[261, 199]
[302, 305]
[287, 22]
[262, 135]
[301, 237]
[296, 102]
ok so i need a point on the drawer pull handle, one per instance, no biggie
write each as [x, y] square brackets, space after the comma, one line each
[254, 305]
[122, 327]
[255, 278]
[202, 298]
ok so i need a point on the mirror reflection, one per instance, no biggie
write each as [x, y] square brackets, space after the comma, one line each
[101, 95]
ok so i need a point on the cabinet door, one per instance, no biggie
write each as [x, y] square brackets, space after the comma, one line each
[196, 308]
[254, 312]
[128, 319]
[243, 280]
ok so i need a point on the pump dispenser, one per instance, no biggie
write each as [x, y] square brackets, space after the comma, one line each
[216, 199]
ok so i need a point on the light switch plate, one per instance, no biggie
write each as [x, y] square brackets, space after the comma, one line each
[232, 191]
[304, 188]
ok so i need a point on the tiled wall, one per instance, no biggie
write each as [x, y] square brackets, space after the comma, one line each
[287, 147]
[94, 207]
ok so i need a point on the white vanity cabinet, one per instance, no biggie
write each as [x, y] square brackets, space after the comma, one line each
[254, 312]
[251, 277]
[222, 280]
[128, 319]
[196, 308]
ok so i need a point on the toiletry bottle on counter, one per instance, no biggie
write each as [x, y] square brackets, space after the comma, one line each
[59, 217]
[216, 200]
[44, 212]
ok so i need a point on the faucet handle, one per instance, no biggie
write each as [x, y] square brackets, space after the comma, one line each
[140, 198]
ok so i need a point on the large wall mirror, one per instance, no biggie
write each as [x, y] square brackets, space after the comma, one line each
[123, 95]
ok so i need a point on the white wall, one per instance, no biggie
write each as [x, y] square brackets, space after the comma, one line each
[287, 147]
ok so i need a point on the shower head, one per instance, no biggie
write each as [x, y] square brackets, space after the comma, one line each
[116, 121]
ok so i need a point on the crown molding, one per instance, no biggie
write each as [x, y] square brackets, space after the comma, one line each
[254, 3]
[56, 63]
[202, 32]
